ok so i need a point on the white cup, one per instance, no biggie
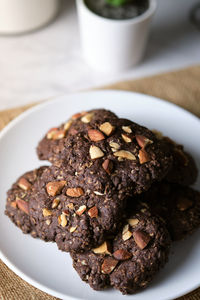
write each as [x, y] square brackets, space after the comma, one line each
[113, 45]
[18, 16]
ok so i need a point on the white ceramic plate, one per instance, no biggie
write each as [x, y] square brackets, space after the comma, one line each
[41, 264]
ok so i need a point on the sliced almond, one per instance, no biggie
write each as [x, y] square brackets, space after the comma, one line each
[114, 145]
[24, 184]
[75, 192]
[95, 135]
[141, 238]
[127, 129]
[108, 166]
[55, 202]
[87, 118]
[51, 133]
[60, 134]
[126, 138]
[143, 141]
[133, 222]
[48, 222]
[81, 210]
[125, 154]
[22, 205]
[63, 222]
[72, 229]
[54, 187]
[98, 193]
[46, 212]
[143, 156]
[93, 212]
[67, 125]
[126, 233]
[70, 205]
[122, 254]
[108, 265]
[107, 128]
[95, 152]
[105, 248]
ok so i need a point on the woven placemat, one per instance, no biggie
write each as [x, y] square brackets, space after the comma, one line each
[180, 87]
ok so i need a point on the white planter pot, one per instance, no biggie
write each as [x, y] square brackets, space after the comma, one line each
[113, 45]
[17, 16]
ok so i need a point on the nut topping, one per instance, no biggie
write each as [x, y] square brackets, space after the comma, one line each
[127, 129]
[125, 154]
[81, 210]
[55, 202]
[143, 141]
[24, 184]
[98, 193]
[72, 229]
[114, 145]
[46, 212]
[108, 265]
[126, 138]
[141, 238]
[108, 166]
[87, 118]
[107, 128]
[51, 133]
[184, 204]
[67, 125]
[22, 205]
[58, 135]
[126, 233]
[105, 248]
[55, 187]
[133, 222]
[93, 212]
[62, 220]
[95, 152]
[48, 222]
[122, 254]
[143, 156]
[70, 205]
[75, 192]
[95, 135]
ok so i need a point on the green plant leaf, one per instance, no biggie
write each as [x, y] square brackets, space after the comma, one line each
[116, 2]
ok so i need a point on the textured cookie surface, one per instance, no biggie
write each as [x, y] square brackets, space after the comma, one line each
[178, 206]
[78, 211]
[50, 147]
[184, 170]
[131, 260]
[18, 197]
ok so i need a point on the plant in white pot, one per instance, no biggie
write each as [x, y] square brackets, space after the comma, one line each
[114, 32]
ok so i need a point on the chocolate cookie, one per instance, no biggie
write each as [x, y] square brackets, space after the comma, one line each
[18, 197]
[131, 260]
[50, 147]
[184, 170]
[78, 211]
[178, 206]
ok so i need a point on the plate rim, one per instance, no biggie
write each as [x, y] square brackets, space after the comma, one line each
[53, 100]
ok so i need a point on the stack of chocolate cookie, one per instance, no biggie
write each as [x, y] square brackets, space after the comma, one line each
[115, 197]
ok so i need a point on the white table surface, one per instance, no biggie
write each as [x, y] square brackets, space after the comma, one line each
[49, 62]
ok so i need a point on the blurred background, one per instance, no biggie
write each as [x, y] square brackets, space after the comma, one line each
[48, 62]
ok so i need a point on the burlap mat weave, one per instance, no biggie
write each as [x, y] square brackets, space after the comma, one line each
[180, 87]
